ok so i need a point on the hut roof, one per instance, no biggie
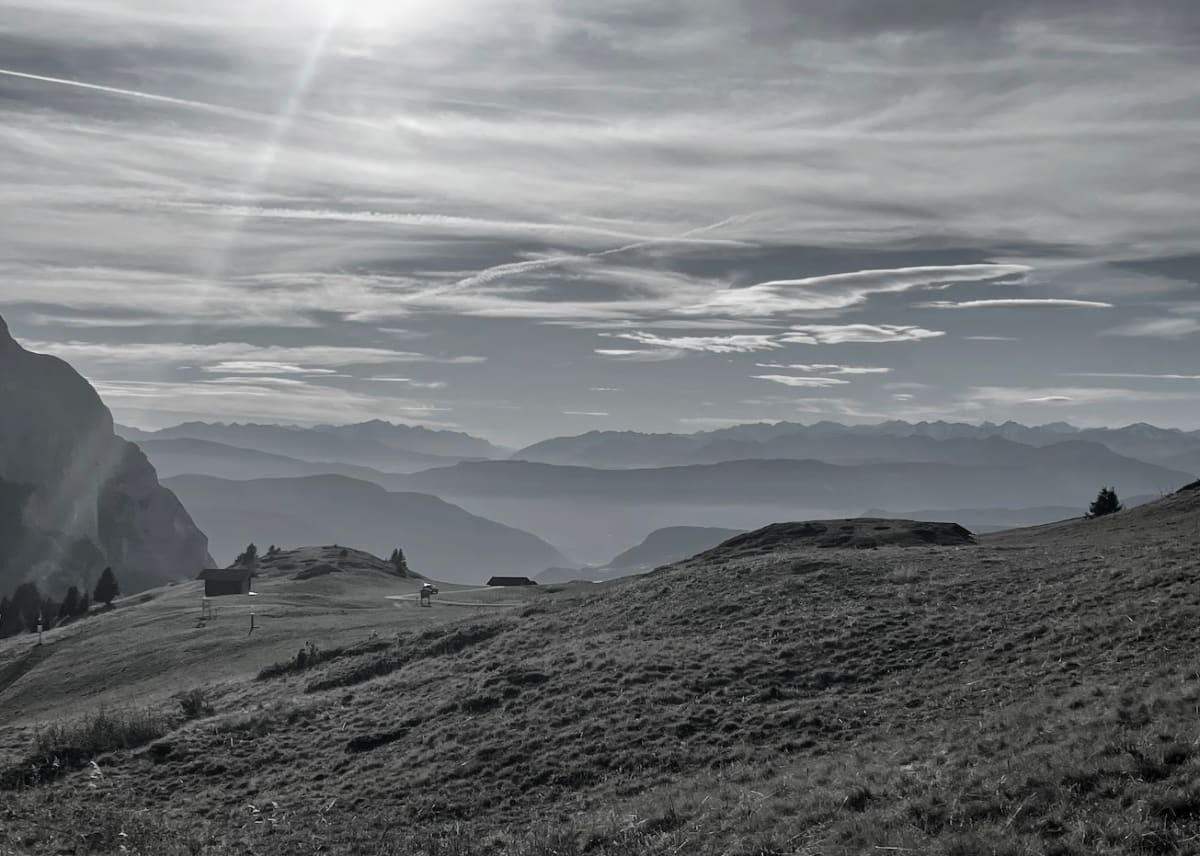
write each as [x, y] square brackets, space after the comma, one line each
[225, 575]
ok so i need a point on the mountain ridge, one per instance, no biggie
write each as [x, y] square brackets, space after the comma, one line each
[441, 539]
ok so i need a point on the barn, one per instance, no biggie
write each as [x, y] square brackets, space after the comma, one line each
[223, 581]
[511, 581]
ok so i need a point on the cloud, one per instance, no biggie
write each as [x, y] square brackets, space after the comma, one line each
[826, 368]
[1137, 376]
[294, 358]
[584, 413]
[1158, 328]
[834, 334]
[843, 290]
[1016, 302]
[407, 381]
[1009, 396]
[263, 367]
[281, 399]
[639, 355]
[733, 344]
[814, 382]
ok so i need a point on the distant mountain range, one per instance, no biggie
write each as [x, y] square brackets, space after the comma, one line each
[1046, 475]
[440, 540]
[185, 456]
[380, 445]
[833, 442]
[595, 494]
[592, 512]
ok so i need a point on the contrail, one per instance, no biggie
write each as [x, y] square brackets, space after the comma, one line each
[133, 93]
[500, 271]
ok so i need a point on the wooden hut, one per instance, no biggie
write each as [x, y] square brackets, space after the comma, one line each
[223, 581]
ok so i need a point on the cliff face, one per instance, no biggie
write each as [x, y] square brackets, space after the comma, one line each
[73, 496]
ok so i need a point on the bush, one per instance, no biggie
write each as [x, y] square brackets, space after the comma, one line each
[1106, 502]
[195, 704]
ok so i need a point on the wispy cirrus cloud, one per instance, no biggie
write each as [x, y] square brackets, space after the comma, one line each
[842, 290]
[837, 334]
[1017, 303]
[294, 359]
[811, 382]
[827, 368]
[260, 399]
[1157, 328]
[1074, 395]
[732, 344]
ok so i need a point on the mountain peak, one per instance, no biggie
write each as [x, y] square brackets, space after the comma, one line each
[7, 342]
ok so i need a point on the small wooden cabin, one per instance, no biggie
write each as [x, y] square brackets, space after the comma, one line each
[223, 581]
[511, 581]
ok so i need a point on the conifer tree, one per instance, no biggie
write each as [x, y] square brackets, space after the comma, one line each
[106, 588]
[1106, 502]
[70, 604]
[7, 618]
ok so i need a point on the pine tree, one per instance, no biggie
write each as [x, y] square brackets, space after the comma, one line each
[1106, 502]
[70, 604]
[20, 612]
[106, 588]
[85, 605]
[398, 561]
[7, 616]
[48, 614]
[248, 557]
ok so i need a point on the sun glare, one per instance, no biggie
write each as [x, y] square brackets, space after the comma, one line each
[384, 15]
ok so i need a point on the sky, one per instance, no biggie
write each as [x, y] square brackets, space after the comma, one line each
[524, 218]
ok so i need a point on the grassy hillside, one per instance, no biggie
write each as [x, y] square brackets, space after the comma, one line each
[1032, 692]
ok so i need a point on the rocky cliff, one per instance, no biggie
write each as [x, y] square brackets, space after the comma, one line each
[74, 497]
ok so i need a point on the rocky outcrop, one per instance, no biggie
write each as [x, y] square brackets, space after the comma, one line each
[74, 497]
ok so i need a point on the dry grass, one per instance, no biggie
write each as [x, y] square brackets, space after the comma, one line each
[1019, 697]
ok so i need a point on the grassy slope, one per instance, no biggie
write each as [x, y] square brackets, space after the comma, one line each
[1035, 693]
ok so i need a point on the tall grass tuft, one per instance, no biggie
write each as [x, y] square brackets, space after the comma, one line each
[104, 731]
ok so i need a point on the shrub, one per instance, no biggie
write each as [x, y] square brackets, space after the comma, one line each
[1106, 502]
[194, 703]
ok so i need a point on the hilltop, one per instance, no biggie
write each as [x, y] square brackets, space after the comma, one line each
[1032, 691]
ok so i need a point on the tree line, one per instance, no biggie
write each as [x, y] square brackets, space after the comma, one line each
[22, 612]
